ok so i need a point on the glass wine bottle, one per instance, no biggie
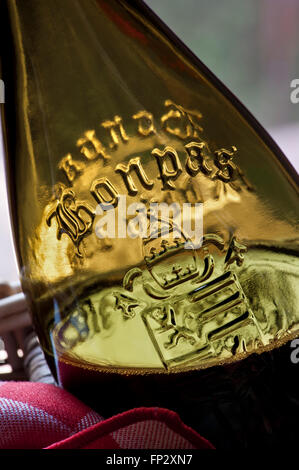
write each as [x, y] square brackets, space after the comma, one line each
[109, 121]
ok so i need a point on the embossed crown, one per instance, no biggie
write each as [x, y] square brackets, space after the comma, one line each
[168, 261]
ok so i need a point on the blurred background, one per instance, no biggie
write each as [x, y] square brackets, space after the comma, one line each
[253, 48]
[251, 45]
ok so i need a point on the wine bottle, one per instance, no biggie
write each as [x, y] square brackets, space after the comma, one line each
[109, 121]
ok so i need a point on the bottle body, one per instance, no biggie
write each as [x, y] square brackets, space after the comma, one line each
[110, 110]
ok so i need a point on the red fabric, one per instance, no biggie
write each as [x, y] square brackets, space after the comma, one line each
[36, 415]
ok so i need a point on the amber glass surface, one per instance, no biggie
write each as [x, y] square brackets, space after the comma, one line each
[102, 100]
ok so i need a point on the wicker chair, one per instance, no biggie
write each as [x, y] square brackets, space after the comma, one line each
[21, 357]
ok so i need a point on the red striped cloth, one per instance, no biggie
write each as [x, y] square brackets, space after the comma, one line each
[36, 415]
